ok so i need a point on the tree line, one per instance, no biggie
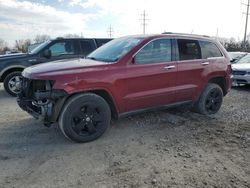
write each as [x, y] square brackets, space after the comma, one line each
[232, 45]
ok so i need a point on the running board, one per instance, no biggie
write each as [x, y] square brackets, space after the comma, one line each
[172, 105]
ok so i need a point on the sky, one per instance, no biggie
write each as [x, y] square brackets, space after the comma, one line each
[21, 19]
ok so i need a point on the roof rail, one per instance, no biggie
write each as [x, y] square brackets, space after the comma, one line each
[58, 38]
[184, 34]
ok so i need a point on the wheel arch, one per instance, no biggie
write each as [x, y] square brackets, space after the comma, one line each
[109, 99]
[100, 92]
[221, 81]
[9, 70]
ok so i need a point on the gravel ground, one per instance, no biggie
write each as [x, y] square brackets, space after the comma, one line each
[170, 148]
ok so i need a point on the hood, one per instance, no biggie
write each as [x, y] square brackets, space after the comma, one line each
[12, 56]
[61, 67]
[241, 66]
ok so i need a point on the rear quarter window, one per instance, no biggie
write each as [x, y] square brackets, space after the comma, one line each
[209, 49]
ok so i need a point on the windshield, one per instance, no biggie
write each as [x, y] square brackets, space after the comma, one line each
[235, 55]
[115, 49]
[245, 59]
[39, 47]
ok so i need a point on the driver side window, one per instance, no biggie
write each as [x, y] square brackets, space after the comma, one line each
[157, 51]
[62, 48]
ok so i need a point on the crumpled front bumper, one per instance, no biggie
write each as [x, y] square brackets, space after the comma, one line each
[43, 105]
[26, 105]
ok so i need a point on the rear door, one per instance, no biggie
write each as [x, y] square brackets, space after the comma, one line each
[86, 47]
[151, 77]
[194, 65]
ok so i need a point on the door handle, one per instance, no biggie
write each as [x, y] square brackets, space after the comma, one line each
[169, 67]
[205, 63]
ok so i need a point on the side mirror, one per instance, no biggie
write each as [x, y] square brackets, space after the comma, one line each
[233, 61]
[47, 53]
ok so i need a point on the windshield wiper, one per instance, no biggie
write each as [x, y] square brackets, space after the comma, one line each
[100, 59]
[93, 58]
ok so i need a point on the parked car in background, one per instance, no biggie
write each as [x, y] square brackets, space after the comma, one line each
[12, 65]
[126, 76]
[236, 56]
[241, 71]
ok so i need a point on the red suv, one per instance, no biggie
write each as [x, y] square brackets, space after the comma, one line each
[125, 76]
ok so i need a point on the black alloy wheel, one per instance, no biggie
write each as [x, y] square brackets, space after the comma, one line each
[213, 101]
[85, 117]
[210, 100]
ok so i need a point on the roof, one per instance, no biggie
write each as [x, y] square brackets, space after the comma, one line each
[185, 34]
[77, 38]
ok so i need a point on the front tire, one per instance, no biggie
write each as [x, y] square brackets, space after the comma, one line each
[85, 117]
[12, 83]
[210, 100]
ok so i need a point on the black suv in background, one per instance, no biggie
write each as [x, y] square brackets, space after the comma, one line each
[12, 65]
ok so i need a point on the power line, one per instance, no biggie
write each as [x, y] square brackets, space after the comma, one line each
[110, 31]
[245, 34]
[144, 20]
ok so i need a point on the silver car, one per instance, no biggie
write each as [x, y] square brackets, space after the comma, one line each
[236, 56]
[241, 71]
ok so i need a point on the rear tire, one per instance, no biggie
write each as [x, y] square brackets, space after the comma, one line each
[85, 117]
[210, 100]
[12, 83]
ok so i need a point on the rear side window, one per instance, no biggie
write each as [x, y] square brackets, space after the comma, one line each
[100, 42]
[87, 46]
[209, 49]
[188, 49]
[156, 51]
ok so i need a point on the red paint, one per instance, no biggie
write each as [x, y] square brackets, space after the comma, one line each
[134, 86]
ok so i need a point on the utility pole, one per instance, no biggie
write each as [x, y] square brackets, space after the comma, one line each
[110, 31]
[245, 34]
[217, 33]
[144, 20]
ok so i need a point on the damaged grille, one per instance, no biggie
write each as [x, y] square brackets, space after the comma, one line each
[29, 87]
[39, 99]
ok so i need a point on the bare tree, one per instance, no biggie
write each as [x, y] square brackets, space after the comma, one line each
[22, 45]
[72, 36]
[41, 38]
[3, 46]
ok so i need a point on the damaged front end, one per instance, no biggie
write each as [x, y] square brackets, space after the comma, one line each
[38, 98]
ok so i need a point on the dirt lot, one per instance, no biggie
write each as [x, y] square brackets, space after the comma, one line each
[170, 148]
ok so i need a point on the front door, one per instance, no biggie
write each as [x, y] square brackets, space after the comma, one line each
[61, 49]
[151, 76]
